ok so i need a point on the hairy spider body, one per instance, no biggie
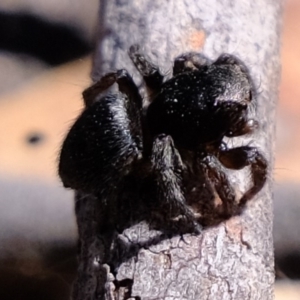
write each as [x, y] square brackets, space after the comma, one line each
[192, 107]
[178, 140]
[102, 129]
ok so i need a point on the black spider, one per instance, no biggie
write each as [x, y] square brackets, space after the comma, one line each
[177, 139]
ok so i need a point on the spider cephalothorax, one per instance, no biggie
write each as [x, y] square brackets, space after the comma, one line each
[177, 139]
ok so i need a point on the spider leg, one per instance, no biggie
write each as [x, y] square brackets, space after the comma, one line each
[167, 167]
[190, 61]
[230, 59]
[149, 71]
[125, 83]
[240, 157]
[220, 182]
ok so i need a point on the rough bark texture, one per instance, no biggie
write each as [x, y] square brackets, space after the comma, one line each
[235, 259]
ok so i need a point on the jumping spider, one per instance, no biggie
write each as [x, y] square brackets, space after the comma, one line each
[176, 138]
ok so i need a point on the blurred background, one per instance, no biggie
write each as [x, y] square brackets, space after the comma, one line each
[45, 61]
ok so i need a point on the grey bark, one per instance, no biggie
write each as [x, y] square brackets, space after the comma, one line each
[235, 259]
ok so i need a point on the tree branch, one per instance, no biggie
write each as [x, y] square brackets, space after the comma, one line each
[235, 259]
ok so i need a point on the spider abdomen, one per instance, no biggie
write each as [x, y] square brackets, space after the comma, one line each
[99, 146]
